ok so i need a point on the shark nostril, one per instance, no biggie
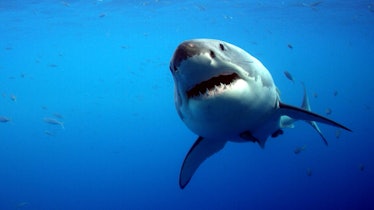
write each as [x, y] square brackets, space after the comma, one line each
[212, 54]
[172, 68]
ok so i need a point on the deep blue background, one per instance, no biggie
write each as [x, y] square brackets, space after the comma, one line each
[104, 66]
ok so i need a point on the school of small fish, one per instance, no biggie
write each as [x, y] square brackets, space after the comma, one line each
[54, 120]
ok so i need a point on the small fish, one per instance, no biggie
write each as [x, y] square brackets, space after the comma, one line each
[53, 121]
[13, 97]
[335, 93]
[22, 204]
[289, 76]
[361, 167]
[66, 4]
[328, 111]
[315, 95]
[58, 115]
[53, 65]
[290, 46]
[102, 15]
[4, 119]
[297, 150]
[312, 5]
[309, 172]
[201, 7]
[48, 133]
[338, 133]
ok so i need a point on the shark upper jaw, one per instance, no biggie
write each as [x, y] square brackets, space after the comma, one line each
[200, 77]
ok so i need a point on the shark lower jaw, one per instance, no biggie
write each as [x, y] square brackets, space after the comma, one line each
[214, 86]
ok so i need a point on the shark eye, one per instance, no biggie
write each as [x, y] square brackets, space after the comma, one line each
[221, 47]
[212, 54]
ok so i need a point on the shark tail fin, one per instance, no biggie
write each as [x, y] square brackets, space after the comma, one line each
[306, 105]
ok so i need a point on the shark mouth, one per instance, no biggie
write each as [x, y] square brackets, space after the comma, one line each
[216, 84]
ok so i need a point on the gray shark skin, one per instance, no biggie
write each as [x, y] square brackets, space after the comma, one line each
[223, 94]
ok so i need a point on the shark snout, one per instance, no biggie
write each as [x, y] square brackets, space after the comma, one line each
[184, 51]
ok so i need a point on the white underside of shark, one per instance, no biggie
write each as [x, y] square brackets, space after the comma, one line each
[222, 94]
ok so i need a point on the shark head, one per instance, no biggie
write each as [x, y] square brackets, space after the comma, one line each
[217, 82]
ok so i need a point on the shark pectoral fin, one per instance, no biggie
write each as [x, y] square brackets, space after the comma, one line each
[200, 151]
[302, 114]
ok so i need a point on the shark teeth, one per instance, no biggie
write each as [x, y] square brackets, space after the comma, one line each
[212, 86]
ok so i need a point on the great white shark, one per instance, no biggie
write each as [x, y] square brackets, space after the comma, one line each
[222, 94]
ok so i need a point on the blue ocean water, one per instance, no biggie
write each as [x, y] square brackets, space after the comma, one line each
[101, 68]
